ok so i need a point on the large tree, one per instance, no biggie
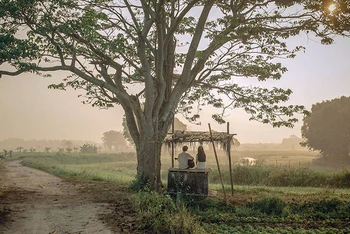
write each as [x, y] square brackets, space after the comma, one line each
[291, 143]
[327, 129]
[158, 57]
[113, 139]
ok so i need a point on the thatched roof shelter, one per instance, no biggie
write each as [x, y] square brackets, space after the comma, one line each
[223, 138]
[180, 136]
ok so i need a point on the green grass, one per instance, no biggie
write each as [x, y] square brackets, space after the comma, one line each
[108, 167]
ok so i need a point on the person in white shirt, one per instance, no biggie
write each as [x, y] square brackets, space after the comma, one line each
[183, 158]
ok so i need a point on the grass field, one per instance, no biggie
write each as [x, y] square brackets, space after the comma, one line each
[122, 166]
[108, 167]
[252, 208]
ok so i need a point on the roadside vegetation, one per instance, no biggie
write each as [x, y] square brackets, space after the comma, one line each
[288, 197]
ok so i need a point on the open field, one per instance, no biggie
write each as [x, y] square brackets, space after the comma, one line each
[252, 209]
[121, 167]
[277, 168]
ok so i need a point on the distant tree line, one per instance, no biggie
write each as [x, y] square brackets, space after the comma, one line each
[45, 145]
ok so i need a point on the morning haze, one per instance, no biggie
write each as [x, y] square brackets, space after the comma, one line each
[30, 110]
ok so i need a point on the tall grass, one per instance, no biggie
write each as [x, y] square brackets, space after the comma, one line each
[159, 214]
[283, 176]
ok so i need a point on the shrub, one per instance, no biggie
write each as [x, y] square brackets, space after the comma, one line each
[248, 175]
[302, 177]
[140, 183]
[341, 180]
[328, 205]
[326, 208]
[88, 149]
[270, 205]
[159, 214]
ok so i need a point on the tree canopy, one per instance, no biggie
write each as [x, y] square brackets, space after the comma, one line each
[327, 129]
[156, 58]
[114, 139]
[291, 143]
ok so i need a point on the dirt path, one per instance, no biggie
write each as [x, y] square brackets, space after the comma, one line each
[38, 202]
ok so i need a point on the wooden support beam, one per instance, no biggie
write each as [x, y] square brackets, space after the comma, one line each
[229, 156]
[217, 162]
[172, 143]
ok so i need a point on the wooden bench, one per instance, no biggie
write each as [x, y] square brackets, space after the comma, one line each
[192, 182]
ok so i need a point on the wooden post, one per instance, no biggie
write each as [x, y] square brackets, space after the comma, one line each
[217, 162]
[172, 143]
[229, 156]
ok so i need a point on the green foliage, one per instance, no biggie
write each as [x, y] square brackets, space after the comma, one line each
[140, 183]
[12, 49]
[327, 129]
[159, 214]
[270, 205]
[248, 229]
[283, 177]
[109, 167]
[326, 208]
[303, 177]
[249, 175]
[341, 179]
[88, 149]
[328, 205]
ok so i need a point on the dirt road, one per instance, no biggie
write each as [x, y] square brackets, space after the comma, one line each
[38, 202]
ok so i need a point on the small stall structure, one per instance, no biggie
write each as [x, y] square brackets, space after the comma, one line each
[194, 182]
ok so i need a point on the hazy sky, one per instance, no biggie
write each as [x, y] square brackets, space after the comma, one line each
[30, 110]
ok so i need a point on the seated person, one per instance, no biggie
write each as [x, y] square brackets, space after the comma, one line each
[184, 159]
[201, 158]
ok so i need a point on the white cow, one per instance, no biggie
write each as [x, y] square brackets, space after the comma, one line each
[247, 161]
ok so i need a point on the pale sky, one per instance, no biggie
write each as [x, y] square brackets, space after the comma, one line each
[29, 110]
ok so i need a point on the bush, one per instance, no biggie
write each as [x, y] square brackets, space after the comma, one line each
[302, 177]
[270, 205]
[88, 149]
[247, 175]
[327, 205]
[341, 180]
[252, 175]
[159, 214]
[140, 183]
[326, 208]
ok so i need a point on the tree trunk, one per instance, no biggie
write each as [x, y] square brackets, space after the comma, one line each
[148, 161]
